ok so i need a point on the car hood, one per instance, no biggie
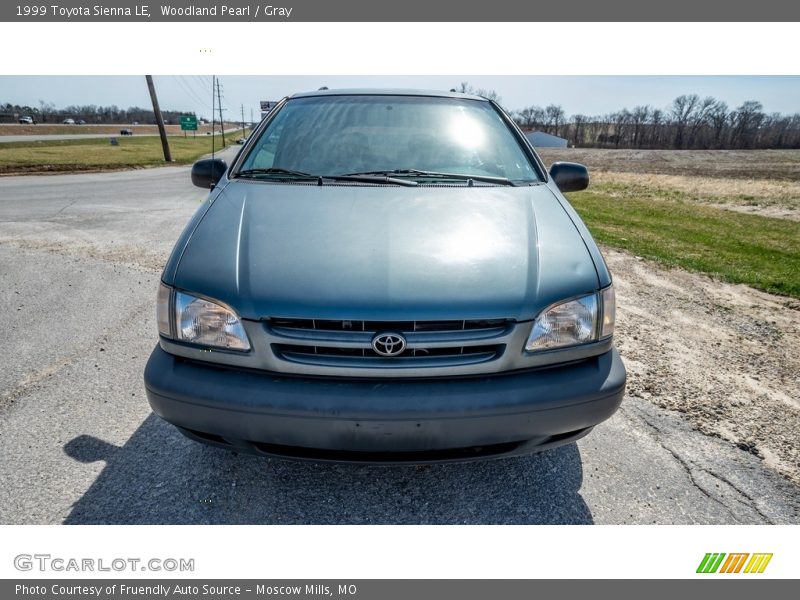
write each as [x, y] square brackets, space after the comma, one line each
[386, 252]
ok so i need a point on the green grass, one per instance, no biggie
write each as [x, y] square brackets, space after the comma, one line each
[98, 153]
[757, 251]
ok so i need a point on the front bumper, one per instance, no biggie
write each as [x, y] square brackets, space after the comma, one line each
[380, 420]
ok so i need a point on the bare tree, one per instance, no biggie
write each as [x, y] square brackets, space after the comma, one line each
[578, 129]
[465, 88]
[682, 109]
[638, 118]
[45, 110]
[555, 118]
[718, 119]
[699, 120]
[747, 119]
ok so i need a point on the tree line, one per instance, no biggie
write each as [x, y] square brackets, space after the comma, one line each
[47, 112]
[689, 122]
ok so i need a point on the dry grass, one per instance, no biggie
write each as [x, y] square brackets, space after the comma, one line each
[762, 182]
[774, 165]
[99, 155]
[780, 199]
[763, 253]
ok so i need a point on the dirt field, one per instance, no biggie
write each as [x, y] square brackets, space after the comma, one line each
[768, 198]
[725, 356]
[762, 182]
[774, 165]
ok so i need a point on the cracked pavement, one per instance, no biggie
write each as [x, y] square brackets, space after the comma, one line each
[80, 256]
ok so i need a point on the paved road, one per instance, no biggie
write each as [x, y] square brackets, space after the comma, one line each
[84, 136]
[80, 256]
[64, 136]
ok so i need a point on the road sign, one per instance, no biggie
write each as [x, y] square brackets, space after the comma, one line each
[188, 123]
[267, 105]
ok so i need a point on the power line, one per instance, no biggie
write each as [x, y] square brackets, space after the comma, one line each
[204, 81]
[190, 86]
[182, 86]
[202, 93]
[190, 93]
[194, 82]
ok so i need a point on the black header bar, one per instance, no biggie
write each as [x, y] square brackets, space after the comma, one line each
[405, 11]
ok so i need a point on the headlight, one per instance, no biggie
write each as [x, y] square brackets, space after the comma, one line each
[574, 322]
[566, 324]
[199, 321]
[207, 323]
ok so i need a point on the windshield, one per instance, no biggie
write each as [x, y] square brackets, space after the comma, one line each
[399, 135]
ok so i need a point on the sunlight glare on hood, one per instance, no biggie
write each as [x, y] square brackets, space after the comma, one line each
[475, 239]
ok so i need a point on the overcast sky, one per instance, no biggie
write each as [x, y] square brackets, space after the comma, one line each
[591, 95]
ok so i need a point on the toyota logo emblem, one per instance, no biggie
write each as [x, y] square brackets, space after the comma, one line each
[389, 344]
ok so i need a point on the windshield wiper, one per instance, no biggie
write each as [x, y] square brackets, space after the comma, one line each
[437, 174]
[282, 173]
[276, 171]
[370, 178]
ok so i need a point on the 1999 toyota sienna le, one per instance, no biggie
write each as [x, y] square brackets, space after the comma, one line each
[386, 276]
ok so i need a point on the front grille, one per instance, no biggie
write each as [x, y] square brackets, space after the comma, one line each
[375, 326]
[370, 353]
[348, 343]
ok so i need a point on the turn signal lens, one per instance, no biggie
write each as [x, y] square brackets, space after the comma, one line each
[609, 311]
[162, 309]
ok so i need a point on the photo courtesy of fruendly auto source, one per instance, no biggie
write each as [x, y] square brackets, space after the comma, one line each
[372, 302]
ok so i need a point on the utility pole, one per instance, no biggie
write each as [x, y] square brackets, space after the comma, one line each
[251, 117]
[212, 117]
[159, 119]
[221, 122]
[242, 120]
[213, 78]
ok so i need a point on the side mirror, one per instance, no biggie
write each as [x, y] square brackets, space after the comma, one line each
[570, 177]
[206, 173]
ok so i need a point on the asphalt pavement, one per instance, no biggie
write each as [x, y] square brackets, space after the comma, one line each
[83, 136]
[80, 257]
[64, 136]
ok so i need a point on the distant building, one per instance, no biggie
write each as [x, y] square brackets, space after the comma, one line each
[540, 139]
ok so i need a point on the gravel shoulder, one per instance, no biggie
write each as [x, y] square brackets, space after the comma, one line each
[723, 356]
